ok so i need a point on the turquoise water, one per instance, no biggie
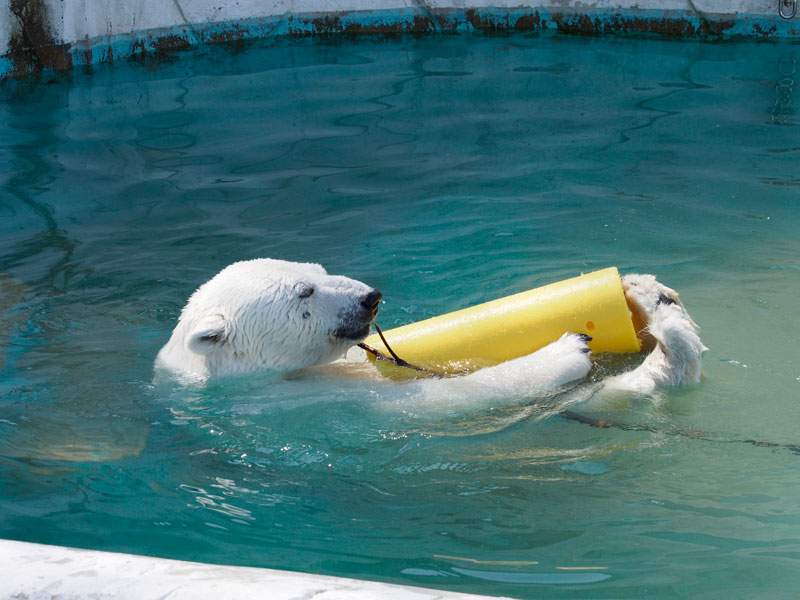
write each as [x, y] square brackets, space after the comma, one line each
[444, 171]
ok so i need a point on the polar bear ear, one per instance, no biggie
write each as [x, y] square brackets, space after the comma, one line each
[208, 334]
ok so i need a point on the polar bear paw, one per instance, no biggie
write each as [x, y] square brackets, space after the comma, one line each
[571, 356]
[568, 358]
[543, 372]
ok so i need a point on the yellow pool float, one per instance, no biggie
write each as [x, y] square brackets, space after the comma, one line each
[503, 329]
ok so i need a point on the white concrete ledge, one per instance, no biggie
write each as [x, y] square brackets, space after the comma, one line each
[39, 572]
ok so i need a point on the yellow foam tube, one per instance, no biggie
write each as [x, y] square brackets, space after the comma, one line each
[497, 331]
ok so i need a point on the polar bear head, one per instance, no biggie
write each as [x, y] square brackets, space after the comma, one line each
[268, 314]
[644, 295]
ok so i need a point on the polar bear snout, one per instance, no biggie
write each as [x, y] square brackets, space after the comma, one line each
[355, 324]
[372, 302]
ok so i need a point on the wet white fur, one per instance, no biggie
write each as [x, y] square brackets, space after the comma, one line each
[249, 317]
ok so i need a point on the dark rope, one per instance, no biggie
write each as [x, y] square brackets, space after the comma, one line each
[394, 359]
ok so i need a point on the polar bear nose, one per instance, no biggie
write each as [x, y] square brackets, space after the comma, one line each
[372, 302]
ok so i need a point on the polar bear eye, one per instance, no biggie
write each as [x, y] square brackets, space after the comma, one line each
[304, 290]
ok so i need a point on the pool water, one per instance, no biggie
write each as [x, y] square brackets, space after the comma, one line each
[445, 171]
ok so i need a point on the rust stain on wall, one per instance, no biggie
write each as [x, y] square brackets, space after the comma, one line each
[530, 22]
[666, 26]
[169, 43]
[33, 46]
[234, 33]
[767, 33]
[335, 24]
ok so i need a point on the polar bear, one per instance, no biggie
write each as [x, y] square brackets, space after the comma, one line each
[268, 314]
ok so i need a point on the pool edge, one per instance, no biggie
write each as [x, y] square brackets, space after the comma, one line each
[30, 570]
[60, 42]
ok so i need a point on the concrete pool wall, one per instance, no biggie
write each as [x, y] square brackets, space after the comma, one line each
[62, 34]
